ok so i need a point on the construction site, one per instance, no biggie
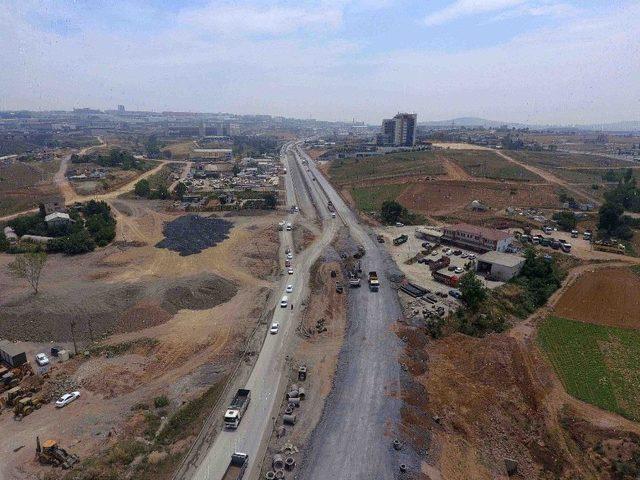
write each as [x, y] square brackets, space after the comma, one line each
[129, 324]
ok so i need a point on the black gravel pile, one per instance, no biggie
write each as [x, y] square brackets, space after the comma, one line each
[192, 233]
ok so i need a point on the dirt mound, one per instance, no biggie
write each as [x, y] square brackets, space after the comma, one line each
[475, 402]
[606, 297]
[105, 308]
[191, 234]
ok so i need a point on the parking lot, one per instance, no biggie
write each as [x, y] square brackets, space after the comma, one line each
[420, 273]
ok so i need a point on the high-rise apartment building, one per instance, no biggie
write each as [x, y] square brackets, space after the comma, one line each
[399, 131]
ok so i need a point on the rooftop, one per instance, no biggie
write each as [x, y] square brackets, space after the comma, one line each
[10, 348]
[504, 259]
[488, 233]
[57, 215]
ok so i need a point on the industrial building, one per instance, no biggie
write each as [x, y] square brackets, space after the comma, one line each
[500, 266]
[211, 154]
[477, 238]
[399, 131]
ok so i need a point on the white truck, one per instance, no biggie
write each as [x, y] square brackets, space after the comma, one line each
[237, 408]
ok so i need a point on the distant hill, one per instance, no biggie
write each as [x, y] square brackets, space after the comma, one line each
[628, 126]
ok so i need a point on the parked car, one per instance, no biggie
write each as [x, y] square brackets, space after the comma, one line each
[380, 238]
[457, 252]
[434, 254]
[290, 271]
[459, 270]
[289, 256]
[425, 244]
[471, 256]
[275, 326]
[464, 255]
[455, 293]
[42, 359]
[289, 289]
[399, 224]
[66, 399]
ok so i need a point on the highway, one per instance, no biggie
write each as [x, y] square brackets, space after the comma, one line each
[266, 380]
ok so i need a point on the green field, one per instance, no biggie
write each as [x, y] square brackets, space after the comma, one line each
[596, 363]
[370, 199]
[487, 164]
[403, 163]
[561, 159]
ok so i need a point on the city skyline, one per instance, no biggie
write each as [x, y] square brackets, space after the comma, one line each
[522, 61]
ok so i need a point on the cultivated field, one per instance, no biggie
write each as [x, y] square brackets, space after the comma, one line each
[25, 184]
[605, 297]
[368, 199]
[596, 363]
[385, 166]
[486, 164]
[551, 160]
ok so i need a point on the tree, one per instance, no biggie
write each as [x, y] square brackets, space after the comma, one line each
[4, 243]
[235, 169]
[153, 151]
[610, 217]
[566, 220]
[472, 289]
[142, 188]
[270, 200]
[162, 192]
[29, 266]
[391, 211]
[180, 190]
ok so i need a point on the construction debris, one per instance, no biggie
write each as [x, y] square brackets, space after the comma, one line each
[191, 234]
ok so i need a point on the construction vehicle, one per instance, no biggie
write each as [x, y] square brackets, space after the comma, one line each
[400, 240]
[26, 405]
[339, 287]
[360, 253]
[354, 280]
[237, 466]
[237, 408]
[374, 282]
[609, 246]
[442, 262]
[50, 453]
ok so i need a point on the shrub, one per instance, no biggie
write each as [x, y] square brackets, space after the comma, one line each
[161, 401]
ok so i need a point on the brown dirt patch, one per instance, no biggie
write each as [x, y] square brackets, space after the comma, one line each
[441, 197]
[606, 297]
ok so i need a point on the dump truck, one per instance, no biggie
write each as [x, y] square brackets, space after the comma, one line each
[237, 408]
[400, 240]
[374, 282]
[237, 466]
[442, 262]
[50, 453]
[611, 247]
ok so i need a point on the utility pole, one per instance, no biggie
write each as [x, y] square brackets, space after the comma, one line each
[72, 324]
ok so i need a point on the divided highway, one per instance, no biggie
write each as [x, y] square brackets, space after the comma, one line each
[267, 380]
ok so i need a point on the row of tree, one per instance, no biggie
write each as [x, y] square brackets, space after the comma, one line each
[115, 158]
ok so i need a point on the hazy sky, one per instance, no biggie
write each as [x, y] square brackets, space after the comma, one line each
[537, 61]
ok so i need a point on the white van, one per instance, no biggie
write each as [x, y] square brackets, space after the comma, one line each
[284, 302]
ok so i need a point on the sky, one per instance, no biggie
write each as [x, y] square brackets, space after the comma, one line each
[530, 61]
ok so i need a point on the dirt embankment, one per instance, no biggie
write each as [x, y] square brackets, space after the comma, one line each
[475, 402]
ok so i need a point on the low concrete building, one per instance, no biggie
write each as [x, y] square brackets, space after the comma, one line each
[211, 154]
[429, 234]
[11, 354]
[477, 238]
[57, 219]
[500, 266]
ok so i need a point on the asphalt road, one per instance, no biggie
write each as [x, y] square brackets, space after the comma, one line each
[353, 438]
[266, 381]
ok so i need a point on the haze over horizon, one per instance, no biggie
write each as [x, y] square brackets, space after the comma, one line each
[524, 61]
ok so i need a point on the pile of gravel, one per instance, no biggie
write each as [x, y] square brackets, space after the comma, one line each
[192, 233]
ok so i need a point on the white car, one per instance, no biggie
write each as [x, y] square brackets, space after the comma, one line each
[67, 398]
[289, 289]
[42, 359]
[290, 271]
[472, 256]
[459, 270]
[275, 326]
[289, 256]
[434, 254]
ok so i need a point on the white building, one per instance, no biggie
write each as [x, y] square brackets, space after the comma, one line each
[57, 219]
[500, 266]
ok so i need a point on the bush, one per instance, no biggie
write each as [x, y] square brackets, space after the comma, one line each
[142, 188]
[161, 401]
[391, 211]
[567, 221]
[4, 243]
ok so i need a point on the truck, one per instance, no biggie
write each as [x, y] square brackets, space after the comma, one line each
[609, 246]
[442, 262]
[354, 280]
[374, 282]
[237, 408]
[330, 206]
[237, 466]
[280, 226]
[400, 240]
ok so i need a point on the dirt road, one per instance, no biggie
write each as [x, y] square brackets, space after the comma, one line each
[352, 440]
[549, 177]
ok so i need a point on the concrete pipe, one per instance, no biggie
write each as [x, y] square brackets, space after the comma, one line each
[294, 387]
[397, 445]
[289, 419]
[295, 401]
[292, 394]
[270, 475]
[280, 474]
[403, 467]
[289, 463]
[301, 393]
[288, 410]
[278, 462]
